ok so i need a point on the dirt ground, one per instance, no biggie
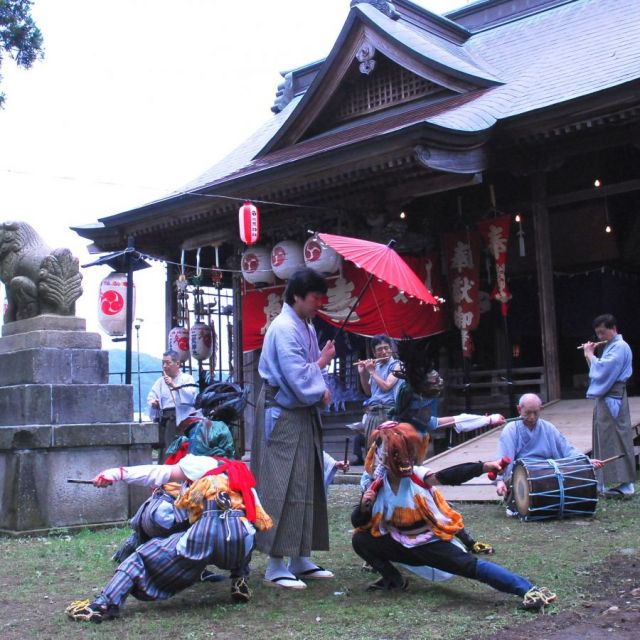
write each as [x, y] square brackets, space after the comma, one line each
[611, 609]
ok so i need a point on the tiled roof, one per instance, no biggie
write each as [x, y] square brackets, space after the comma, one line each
[568, 52]
[528, 64]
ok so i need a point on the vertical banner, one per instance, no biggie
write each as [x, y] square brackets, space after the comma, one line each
[462, 256]
[495, 233]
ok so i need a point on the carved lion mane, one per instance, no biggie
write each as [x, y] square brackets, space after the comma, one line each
[37, 280]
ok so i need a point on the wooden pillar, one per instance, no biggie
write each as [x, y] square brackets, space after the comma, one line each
[546, 297]
[237, 358]
[170, 305]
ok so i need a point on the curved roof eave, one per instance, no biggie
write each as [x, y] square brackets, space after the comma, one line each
[441, 60]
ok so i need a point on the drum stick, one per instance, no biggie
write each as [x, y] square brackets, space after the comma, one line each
[596, 344]
[75, 481]
[612, 458]
[346, 453]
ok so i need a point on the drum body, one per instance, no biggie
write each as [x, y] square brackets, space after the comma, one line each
[546, 489]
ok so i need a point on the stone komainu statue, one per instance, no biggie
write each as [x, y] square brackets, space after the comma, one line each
[37, 280]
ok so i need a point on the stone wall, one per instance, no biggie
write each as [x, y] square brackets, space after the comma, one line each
[60, 419]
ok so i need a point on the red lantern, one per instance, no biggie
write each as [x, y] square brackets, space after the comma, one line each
[178, 341]
[249, 220]
[112, 305]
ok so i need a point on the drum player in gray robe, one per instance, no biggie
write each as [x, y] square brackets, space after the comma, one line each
[287, 452]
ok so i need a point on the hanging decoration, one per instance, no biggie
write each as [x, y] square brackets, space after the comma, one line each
[495, 233]
[249, 221]
[256, 267]
[286, 258]
[217, 277]
[462, 256]
[200, 334]
[112, 304]
[520, 234]
[321, 258]
[178, 338]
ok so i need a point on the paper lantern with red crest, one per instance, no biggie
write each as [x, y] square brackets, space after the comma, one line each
[256, 266]
[178, 341]
[286, 258]
[201, 340]
[321, 258]
[249, 221]
[112, 304]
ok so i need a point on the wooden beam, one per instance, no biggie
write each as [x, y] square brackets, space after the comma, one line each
[593, 193]
[428, 184]
[546, 298]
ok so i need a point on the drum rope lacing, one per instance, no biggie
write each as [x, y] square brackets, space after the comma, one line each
[560, 479]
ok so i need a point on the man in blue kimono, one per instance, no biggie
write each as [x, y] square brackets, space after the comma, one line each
[287, 451]
[380, 384]
[612, 435]
[531, 437]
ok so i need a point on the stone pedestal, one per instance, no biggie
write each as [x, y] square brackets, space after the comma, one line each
[60, 419]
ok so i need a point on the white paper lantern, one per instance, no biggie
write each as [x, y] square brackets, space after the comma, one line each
[321, 258]
[178, 341]
[286, 258]
[202, 340]
[256, 266]
[112, 304]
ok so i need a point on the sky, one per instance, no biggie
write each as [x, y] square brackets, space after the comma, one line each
[135, 98]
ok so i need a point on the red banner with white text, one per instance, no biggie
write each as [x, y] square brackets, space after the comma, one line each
[495, 233]
[462, 251]
[382, 309]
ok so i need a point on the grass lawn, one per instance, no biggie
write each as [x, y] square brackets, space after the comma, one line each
[40, 576]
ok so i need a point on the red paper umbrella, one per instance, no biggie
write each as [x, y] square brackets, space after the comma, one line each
[380, 261]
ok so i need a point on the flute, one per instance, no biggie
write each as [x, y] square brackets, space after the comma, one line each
[355, 364]
[596, 344]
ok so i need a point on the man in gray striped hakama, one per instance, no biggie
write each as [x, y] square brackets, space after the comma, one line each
[612, 433]
[287, 455]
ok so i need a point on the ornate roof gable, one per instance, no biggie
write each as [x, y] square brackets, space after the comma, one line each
[384, 57]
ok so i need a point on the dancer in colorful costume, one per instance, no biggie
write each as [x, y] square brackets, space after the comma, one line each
[224, 513]
[403, 518]
[158, 516]
[417, 402]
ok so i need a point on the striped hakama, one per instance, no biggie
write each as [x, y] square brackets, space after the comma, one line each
[612, 436]
[162, 567]
[289, 473]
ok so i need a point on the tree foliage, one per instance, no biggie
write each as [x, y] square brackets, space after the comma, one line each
[19, 35]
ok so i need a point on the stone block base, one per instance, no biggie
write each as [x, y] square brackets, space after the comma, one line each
[35, 494]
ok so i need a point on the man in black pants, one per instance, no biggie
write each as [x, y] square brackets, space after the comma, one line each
[402, 518]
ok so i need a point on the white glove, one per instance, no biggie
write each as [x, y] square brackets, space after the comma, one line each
[469, 422]
[148, 475]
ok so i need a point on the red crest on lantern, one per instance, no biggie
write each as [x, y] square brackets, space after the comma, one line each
[249, 221]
